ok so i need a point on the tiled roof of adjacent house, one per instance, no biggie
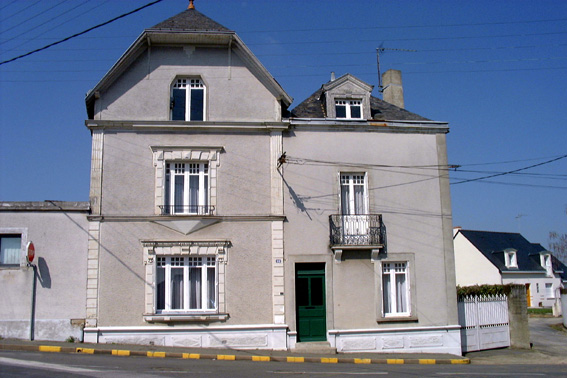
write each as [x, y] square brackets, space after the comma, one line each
[314, 107]
[190, 20]
[493, 244]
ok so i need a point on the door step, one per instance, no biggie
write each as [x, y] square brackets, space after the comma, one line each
[315, 347]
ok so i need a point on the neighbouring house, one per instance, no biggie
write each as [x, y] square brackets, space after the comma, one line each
[494, 258]
[58, 231]
[218, 218]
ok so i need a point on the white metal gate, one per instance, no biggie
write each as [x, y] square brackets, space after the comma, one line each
[484, 322]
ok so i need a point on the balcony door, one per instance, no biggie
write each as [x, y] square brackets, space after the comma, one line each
[354, 206]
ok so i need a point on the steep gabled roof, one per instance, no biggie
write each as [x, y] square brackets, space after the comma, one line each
[493, 244]
[314, 107]
[188, 27]
[190, 20]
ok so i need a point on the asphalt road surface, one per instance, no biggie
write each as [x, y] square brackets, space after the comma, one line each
[56, 365]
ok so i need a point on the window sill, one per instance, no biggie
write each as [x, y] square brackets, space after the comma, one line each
[165, 318]
[397, 319]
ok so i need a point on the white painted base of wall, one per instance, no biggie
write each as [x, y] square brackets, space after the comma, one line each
[270, 336]
[44, 329]
[398, 340]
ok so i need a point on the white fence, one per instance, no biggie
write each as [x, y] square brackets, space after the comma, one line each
[484, 322]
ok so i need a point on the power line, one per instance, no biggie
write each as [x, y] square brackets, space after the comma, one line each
[510, 172]
[81, 33]
[31, 18]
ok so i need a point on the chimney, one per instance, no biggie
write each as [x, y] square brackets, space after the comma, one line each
[332, 75]
[393, 90]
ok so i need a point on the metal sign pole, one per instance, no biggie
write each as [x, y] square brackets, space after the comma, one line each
[32, 321]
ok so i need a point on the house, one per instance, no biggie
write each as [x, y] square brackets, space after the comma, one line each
[58, 231]
[500, 258]
[220, 219]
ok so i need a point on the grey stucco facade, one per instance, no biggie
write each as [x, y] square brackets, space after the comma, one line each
[219, 219]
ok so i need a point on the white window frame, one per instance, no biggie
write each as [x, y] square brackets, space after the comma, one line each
[391, 270]
[186, 263]
[186, 171]
[183, 154]
[511, 258]
[546, 263]
[189, 84]
[152, 250]
[349, 104]
[23, 234]
[350, 180]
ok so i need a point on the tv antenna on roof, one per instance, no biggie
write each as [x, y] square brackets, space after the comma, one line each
[383, 49]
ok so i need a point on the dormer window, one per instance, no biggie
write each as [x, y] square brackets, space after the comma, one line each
[510, 258]
[545, 261]
[188, 100]
[348, 109]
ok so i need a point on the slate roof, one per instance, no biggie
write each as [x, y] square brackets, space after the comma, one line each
[190, 20]
[314, 107]
[493, 244]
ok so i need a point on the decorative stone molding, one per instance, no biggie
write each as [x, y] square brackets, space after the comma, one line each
[163, 154]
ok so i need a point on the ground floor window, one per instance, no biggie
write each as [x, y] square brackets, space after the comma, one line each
[186, 283]
[395, 289]
[10, 250]
[549, 290]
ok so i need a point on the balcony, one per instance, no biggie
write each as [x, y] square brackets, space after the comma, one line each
[351, 231]
[204, 210]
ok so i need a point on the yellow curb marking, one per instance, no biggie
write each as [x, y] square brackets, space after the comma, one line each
[362, 360]
[117, 352]
[46, 348]
[295, 359]
[193, 356]
[427, 362]
[395, 361]
[156, 354]
[84, 350]
[225, 357]
[464, 361]
[261, 358]
[326, 360]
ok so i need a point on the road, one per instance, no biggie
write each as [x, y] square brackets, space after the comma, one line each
[36, 365]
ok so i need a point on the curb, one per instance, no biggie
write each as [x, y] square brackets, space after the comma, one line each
[225, 357]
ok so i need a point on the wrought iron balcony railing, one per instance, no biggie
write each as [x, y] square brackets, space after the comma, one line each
[187, 210]
[357, 230]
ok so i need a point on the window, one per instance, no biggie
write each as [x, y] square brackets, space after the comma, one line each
[353, 194]
[549, 290]
[349, 109]
[395, 289]
[186, 283]
[510, 258]
[187, 188]
[10, 250]
[188, 100]
[545, 260]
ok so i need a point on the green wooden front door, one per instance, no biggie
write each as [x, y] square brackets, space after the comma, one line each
[310, 302]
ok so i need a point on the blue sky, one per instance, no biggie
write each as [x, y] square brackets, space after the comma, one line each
[495, 70]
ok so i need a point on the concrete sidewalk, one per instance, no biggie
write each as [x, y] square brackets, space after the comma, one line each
[549, 346]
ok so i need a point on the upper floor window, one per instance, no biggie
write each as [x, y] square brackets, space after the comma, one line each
[188, 100]
[10, 250]
[511, 259]
[187, 188]
[545, 260]
[349, 109]
[353, 194]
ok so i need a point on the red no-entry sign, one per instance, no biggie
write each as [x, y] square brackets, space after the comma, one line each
[31, 251]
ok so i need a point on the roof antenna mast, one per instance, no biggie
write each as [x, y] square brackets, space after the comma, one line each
[379, 50]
